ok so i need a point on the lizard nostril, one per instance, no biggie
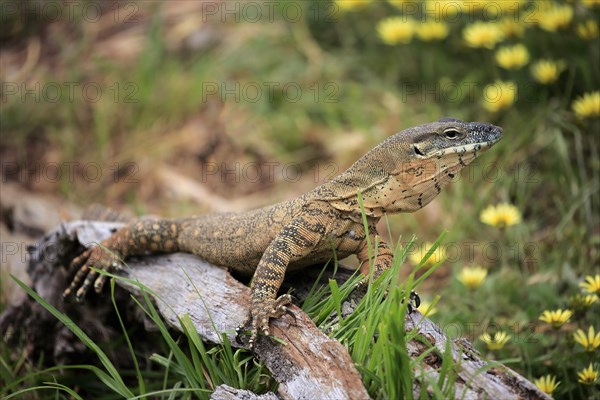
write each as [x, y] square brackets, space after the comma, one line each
[418, 151]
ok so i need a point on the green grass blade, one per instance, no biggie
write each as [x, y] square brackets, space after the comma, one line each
[46, 386]
[113, 378]
[140, 378]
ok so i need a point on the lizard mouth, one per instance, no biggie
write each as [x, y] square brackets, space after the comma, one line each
[485, 136]
[460, 149]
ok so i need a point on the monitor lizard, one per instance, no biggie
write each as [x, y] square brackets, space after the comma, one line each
[402, 174]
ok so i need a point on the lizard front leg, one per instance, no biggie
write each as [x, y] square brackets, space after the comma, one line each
[383, 261]
[295, 241]
[383, 258]
[136, 238]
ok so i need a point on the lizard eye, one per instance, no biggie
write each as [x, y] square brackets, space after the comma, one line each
[451, 133]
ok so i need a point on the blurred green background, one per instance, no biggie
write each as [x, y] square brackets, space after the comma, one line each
[190, 107]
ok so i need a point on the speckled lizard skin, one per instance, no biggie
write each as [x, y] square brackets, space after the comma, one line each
[402, 174]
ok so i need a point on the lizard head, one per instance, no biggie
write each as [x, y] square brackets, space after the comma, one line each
[450, 136]
[410, 168]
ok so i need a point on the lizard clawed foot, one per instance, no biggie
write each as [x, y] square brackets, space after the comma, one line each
[414, 301]
[100, 259]
[362, 286]
[260, 313]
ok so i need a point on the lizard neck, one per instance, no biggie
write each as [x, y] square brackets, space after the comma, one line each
[388, 183]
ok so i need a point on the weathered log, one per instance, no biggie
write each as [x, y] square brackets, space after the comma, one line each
[224, 392]
[309, 365]
[477, 378]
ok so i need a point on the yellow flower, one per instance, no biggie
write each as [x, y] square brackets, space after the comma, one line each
[495, 7]
[499, 95]
[590, 342]
[482, 34]
[436, 257]
[400, 3]
[445, 9]
[497, 342]
[432, 30]
[478, 4]
[588, 29]
[501, 215]
[547, 384]
[588, 375]
[512, 57]
[555, 17]
[591, 3]
[396, 30]
[542, 5]
[427, 308]
[556, 318]
[580, 301]
[472, 277]
[351, 5]
[509, 5]
[591, 284]
[546, 71]
[511, 28]
[587, 106]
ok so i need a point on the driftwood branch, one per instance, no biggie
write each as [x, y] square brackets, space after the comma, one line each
[308, 365]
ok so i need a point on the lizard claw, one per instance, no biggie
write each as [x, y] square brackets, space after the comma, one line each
[239, 331]
[96, 257]
[260, 314]
[414, 301]
[361, 286]
[291, 314]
